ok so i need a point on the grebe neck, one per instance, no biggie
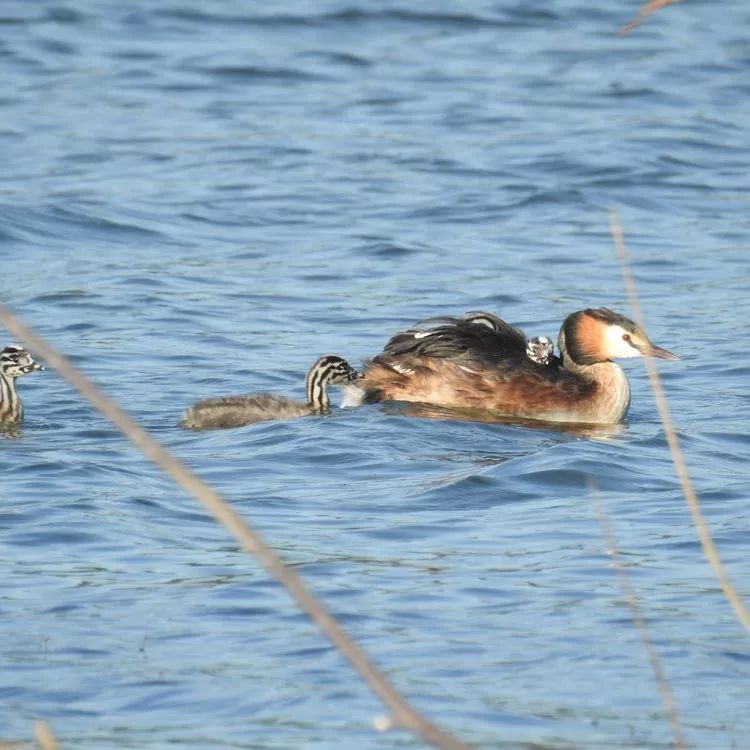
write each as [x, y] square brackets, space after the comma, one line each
[11, 408]
[611, 397]
[14, 362]
[583, 369]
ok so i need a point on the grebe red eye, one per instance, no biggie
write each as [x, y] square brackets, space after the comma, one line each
[626, 337]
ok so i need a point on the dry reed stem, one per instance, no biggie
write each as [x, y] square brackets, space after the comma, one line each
[402, 712]
[701, 527]
[44, 737]
[646, 10]
[623, 580]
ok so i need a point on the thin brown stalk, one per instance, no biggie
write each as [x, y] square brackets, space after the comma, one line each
[403, 714]
[623, 580]
[44, 737]
[646, 10]
[691, 497]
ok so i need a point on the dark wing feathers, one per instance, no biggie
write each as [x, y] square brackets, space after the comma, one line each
[460, 341]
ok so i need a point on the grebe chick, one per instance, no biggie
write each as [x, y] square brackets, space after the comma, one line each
[539, 349]
[236, 411]
[14, 361]
[465, 366]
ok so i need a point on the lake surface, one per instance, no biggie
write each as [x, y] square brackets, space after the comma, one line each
[199, 199]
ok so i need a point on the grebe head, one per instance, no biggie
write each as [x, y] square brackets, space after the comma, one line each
[599, 335]
[327, 370]
[15, 361]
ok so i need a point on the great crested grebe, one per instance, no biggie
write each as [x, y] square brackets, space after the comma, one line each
[14, 361]
[483, 365]
[236, 411]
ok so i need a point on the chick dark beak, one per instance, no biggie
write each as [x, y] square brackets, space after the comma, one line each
[33, 367]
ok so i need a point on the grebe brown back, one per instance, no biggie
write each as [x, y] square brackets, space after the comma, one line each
[236, 411]
[14, 361]
[459, 364]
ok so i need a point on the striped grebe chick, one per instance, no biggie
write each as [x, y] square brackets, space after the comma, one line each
[14, 361]
[236, 411]
[539, 349]
[461, 365]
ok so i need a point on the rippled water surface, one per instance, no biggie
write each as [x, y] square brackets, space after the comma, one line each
[200, 198]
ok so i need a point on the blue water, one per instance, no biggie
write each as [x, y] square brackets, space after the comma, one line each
[200, 198]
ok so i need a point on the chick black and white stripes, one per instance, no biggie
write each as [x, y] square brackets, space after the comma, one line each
[236, 411]
[14, 361]
[328, 370]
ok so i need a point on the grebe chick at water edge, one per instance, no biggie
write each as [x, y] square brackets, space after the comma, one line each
[467, 364]
[14, 362]
[236, 411]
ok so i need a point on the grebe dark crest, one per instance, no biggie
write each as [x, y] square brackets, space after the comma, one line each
[14, 361]
[484, 365]
[235, 411]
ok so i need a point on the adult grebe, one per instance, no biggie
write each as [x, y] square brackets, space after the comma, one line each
[14, 361]
[460, 364]
[235, 411]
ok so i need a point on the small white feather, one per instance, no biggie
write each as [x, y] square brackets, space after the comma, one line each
[351, 396]
[403, 369]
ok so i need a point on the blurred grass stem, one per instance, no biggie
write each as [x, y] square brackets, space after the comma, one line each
[623, 580]
[44, 737]
[403, 714]
[701, 527]
[646, 10]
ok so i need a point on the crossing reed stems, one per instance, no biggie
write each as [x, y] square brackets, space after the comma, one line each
[402, 713]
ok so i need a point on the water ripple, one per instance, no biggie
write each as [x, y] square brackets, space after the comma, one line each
[201, 199]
